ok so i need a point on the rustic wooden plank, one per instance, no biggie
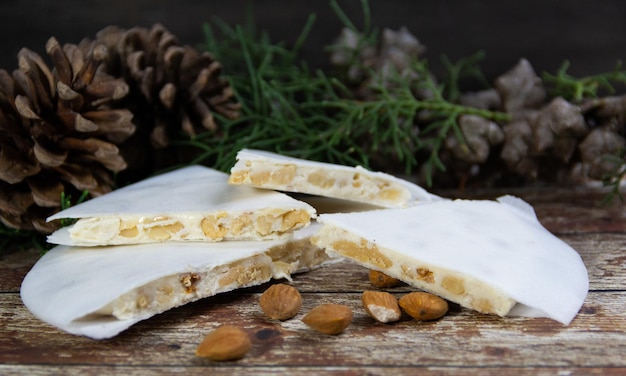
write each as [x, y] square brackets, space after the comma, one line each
[13, 267]
[99, 370]
[596, 338]
[9, 370]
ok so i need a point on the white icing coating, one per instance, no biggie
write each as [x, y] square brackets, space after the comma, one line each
[499, 243]
[275, 171]
[172, 207]
[99, 292]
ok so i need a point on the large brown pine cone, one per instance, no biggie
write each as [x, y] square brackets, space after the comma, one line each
[59, 127]
[175, 92]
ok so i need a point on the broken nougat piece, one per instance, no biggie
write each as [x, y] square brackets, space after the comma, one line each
[490, 256]
[98, 293]
[192, 203]
[273, 171]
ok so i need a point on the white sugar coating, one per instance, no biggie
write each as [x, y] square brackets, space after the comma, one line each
[274, 171]
[98, 292]
[192, 203]
[498, 243]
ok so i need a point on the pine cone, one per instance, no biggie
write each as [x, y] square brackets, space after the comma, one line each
[58, 132]
[174, 90]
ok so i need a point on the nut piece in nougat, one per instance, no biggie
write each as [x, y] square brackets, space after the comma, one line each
[99, 293]
[273, 171]
[490, 256]
[190, 204]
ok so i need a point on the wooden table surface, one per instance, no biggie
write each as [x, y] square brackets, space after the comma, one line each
[463, 342]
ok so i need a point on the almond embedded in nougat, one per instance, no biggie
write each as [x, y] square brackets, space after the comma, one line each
[280, 301]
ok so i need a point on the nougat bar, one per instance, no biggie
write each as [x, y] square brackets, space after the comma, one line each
[492, 256]
[100, 291]
[268, 170]
[194, 203]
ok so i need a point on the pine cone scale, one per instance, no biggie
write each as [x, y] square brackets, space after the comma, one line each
[44, 193]
[23, 106]
[47, 157]
[62, 65]
[13, 168]
[14, 203]
[36, 78]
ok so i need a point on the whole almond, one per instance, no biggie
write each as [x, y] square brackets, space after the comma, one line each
[225, 343]
[380, 279]
[280, 301]
[423, 306]
[329, 318]
[382, 306]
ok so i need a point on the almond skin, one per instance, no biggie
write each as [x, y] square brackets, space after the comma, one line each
[225, 343]
[280, 301]
[329, 318]
[380, 279]
[382, 306]
[423, 306]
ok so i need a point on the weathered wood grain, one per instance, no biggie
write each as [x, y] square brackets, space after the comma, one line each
[461, 338]
[103, 370]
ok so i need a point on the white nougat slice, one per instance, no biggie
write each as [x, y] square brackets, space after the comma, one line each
[273, 171]
[98, 293]
[491, 256]
[189, 204]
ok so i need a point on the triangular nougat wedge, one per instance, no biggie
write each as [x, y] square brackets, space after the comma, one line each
[192, 203]
[273, 171]
[484, 255]
[99, 292]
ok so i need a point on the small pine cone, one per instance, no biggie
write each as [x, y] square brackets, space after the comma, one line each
[174, 89]
[557, 128]
[60, 127]
[480, 135]
[595, 149]
[367, 65]
[520, 89]
[516, 151]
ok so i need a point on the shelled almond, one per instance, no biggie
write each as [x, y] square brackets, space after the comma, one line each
[382, 306]
[329, 318]
[225, 343]
[423, 306]
[280, 301]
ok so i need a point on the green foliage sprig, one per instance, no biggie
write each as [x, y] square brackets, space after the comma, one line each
[616, 177]
[576, 89]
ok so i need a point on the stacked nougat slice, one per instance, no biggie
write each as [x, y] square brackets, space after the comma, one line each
[163, 242]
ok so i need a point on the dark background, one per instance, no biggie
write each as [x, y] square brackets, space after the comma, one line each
[592, 35]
